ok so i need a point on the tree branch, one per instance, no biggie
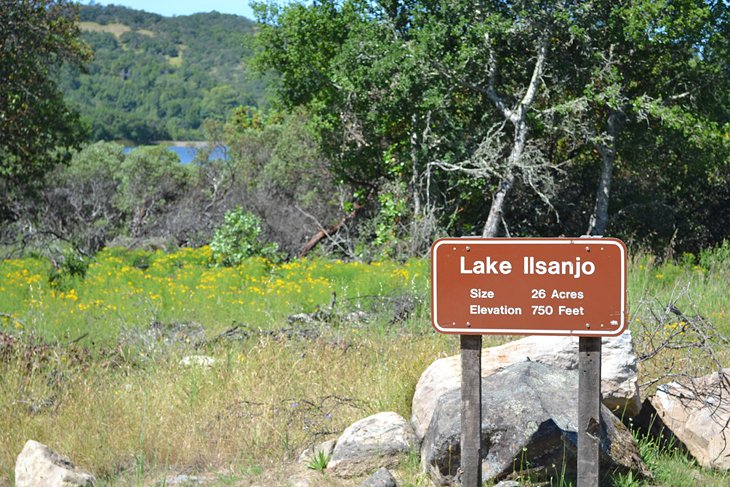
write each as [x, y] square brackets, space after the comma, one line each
[515, 115]
[536, 75]
[491, 76]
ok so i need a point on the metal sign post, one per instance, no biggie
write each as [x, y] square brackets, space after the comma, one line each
[551, 286]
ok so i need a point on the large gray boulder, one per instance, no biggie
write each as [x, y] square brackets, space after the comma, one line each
[697, 414]
[619, 384]
[39, 466]
[381, 478]
[529, 422]
[381, 440]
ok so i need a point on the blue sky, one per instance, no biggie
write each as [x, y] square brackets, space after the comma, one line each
[184, 7]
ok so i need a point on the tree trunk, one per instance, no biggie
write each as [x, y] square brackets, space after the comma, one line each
[518, 117]
[414, 168]
[491, 227]
[599, 218]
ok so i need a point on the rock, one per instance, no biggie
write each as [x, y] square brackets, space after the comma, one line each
[529, 421]
[197, 360]
[299, 482]
[183, 481]
[508, 483]
[697, 414]
[376, 441]
[381, 478]
[150, 244]
[159, 336]
[357, 317]
[39, 466]
[619, 386]
[619, 378]
[326, 448]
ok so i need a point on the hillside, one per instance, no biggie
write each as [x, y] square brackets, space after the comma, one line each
[159, 78]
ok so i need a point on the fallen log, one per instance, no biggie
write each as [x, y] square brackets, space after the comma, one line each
[329, 231]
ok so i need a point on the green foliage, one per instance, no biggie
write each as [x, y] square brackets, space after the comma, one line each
[716, 259]
[626, 480]
[158, 78]
[319, 461]
[669, 465]
[104, 193]
[36, 38]
[65, 275]
[334, 62]
[117, 292]
[83, 203]
[280, 171]
[394, 87]
[238, 238]
[392, 210]
[145, 197]
[150, 178]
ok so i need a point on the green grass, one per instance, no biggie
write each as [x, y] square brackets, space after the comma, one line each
[697, 286]
[133, 414]
[125, 289]
[670, 467]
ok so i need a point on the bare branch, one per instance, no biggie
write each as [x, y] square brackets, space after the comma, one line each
[491, 76]
[679, 96]
[536, 79]
[669, 336]
[487, 160]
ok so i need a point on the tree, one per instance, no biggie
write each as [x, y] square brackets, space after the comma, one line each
[397, 85]
[36, 126]
[525, 97]
[151, 178]
[80, 206]
[652, 84]
[372, 108]
[164, 76]
[275, 170]
[504, 54]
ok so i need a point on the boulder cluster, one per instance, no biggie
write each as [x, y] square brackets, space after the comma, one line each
[529, 417]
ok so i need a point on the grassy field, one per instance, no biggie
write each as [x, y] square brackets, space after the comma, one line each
[116, 29]
[90, 358]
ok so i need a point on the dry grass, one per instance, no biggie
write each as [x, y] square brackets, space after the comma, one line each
[175, 62]
[116, 29]
[259, 405]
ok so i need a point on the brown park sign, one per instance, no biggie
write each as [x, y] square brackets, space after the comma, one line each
[516, 286]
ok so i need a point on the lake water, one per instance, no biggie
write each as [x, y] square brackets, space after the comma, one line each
[187, 153]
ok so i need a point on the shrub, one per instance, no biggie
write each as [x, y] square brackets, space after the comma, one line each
[71, 268]
[239, 238]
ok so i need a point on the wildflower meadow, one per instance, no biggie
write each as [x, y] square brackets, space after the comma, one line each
[93, 356]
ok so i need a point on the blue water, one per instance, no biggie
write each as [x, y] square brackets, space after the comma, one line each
[187, 154]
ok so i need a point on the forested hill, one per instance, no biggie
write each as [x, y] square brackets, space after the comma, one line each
[159, 78]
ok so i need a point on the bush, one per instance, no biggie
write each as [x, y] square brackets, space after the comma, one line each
[238, 238]
[71, 268]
